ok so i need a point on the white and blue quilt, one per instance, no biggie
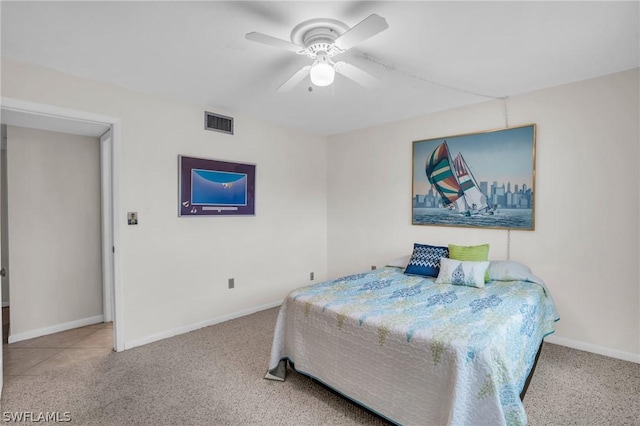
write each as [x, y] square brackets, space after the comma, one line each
[417, 352]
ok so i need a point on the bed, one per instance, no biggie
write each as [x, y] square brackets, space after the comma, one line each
[417, 352]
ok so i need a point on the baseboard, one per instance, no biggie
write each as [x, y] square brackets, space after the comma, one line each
[588, 347]
[187, 328]
[17, 337]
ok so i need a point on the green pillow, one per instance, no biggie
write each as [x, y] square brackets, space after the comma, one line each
[474, 253]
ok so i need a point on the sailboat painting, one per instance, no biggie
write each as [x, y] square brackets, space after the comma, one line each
[483, 180]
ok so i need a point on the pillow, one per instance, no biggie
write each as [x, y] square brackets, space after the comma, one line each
[400, 262]
[475, 253]
[425, 260]
[461, 272]
[509, 270]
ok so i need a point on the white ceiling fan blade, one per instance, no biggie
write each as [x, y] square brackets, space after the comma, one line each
[272, 41]
[369, 27]
[363, 78]
[295, 79]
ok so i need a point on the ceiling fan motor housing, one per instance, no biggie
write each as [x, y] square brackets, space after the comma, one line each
[318, 36]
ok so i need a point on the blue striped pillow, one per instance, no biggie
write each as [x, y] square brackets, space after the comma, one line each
[425, 260]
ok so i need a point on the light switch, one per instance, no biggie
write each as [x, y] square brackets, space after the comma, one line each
[132, 218]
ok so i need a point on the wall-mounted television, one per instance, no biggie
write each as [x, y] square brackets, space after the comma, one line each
[215, 187]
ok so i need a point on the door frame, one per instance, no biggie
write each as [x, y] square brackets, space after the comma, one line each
[110, 149]
[106, 142]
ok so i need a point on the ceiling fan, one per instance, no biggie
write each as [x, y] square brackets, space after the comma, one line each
[322, 39]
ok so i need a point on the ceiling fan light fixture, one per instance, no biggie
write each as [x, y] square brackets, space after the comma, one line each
[321, 39]
[322, 73]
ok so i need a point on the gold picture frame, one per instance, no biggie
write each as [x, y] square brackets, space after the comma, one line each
[477, 180]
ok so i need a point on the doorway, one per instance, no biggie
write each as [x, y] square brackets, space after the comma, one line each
[46, 117]
[54, 232]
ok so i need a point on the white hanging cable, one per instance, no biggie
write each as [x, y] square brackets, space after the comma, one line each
[444, 86]
[506, 124]
[506, 111]
[390, 67]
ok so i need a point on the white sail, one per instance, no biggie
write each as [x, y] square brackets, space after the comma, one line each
[461, 204]
[474, 198]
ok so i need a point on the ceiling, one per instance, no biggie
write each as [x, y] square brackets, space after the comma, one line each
[434, 55]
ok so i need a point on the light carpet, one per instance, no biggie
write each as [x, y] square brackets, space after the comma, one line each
[214, 376]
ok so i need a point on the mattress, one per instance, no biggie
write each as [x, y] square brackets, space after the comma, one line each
[417, 352]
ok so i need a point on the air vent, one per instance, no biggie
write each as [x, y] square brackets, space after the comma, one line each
[218, 123]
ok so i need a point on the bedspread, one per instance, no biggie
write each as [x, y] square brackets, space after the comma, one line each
[414, 351]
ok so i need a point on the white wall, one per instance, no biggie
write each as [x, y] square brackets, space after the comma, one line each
[586, 241]
[4, 235]
[53, 193]
[175, 270]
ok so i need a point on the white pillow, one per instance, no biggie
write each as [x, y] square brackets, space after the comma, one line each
[509, 270]
[462, 272]
[400, 262]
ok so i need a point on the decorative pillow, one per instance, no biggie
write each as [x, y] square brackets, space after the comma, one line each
[425, 260]
[400, 262]
[475, 253]
[509, 270]
[460, 272]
